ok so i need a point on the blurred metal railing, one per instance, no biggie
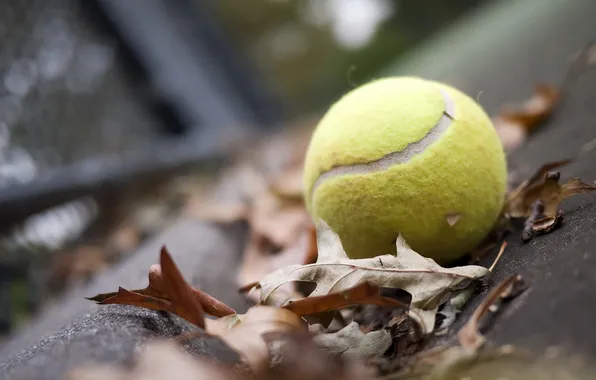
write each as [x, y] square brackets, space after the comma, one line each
[98, 94]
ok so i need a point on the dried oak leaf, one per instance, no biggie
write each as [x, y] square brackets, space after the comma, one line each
[281, 234]
[534, 110]
[362, 294]
[245, 332]
[427, 282]
[297, 357]
[168, 291]
[270, 181]
[351, 342]
[262, 255]
[280, 228]
[544, 186]
[514, 124]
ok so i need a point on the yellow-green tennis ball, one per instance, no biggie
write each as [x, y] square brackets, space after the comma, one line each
[398, 156]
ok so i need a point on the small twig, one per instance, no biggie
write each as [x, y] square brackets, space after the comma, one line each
[469, 336]
[501, 250]
[536, 210]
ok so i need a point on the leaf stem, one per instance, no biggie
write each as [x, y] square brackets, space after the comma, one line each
[501, 250]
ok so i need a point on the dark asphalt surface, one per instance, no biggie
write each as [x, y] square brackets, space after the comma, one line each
[531, 44]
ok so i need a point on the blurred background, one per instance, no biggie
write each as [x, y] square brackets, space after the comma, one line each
[106, 104]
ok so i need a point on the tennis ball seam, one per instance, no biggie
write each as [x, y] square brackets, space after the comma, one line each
[399, 157]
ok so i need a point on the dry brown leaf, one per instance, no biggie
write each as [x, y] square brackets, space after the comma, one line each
[211, 305]
[547, 224]
[281, 234]
[535, 110]
[544, 186]
[181, 295]
[541, 172]
[270, 179]
[299, 358]
[351, 342]
[268, 316]
[427, 282]
[168, 291]
[513, 124]
[534, 225]
[511, 134]
[244, 333]
[279, 220]
[126, 297]
[469, 337]
[259, 259]
[280, 228]
[363, 294]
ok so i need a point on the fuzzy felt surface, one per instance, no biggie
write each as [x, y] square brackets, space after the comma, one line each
[464, 172]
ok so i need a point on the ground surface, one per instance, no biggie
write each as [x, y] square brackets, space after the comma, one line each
[499, 57]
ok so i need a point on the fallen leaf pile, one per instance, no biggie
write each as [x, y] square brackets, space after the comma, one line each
[341, 283]
[247, 333]
[429, 284]
[280, 230]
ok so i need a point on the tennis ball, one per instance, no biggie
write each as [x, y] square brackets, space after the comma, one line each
[405, 155]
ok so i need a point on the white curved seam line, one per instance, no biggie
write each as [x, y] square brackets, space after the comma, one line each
[403, 156]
